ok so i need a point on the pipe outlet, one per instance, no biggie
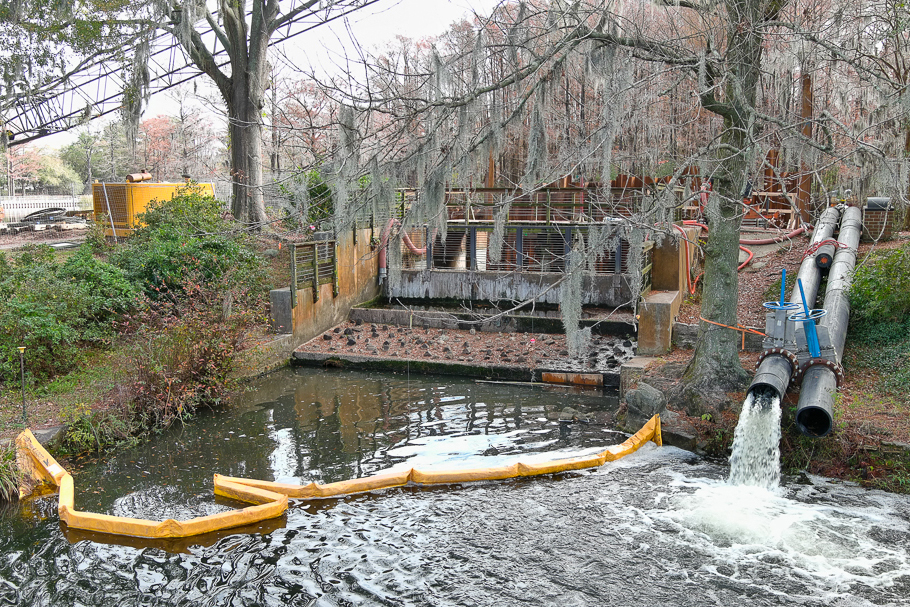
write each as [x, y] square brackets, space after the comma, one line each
[773, 375]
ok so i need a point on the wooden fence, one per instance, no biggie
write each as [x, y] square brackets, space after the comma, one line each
[313, 264]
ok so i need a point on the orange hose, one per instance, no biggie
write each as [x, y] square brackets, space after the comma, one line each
[692, 285]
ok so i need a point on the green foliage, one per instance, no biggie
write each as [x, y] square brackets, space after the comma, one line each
[879, 331]
[189, 235]
[880, 287]
[319, 204]
[9, 474]
[96, 430]
[52, 309]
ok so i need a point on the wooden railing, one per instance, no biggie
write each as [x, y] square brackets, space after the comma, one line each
[313, 264]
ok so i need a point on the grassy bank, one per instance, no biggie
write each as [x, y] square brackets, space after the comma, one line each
[126, 339]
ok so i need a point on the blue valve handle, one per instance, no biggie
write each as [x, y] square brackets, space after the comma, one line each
[782, 304]
[808, 318]
[783, 286]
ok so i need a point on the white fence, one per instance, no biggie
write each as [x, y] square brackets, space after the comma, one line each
[17, 207]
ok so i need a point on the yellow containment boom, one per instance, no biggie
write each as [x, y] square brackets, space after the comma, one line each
[271, 499]
[649, 432]
[37, 464]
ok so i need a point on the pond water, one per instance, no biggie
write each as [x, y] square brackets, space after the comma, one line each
[659, 527]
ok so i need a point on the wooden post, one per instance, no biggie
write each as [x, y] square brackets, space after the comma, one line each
[472, 247]
[335, 268]
[293, 276]
[519, 248]
[803, 191]
[315, 272]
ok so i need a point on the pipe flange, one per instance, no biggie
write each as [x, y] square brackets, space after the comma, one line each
[794, 363]
[835, 367]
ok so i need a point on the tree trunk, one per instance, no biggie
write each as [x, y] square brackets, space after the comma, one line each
[715, 370]
[247, 204]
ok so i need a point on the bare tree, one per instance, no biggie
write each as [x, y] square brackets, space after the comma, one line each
[577, 88]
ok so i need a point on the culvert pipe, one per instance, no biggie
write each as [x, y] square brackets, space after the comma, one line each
[814, 412]
[777, 365]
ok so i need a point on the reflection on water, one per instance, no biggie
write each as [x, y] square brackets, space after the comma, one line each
[658, 527]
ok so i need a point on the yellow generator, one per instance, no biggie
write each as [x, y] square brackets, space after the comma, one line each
[118, 204]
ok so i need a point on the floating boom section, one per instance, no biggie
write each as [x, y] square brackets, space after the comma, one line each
[39, 467]
[778, 363]
[821, 376]
[271, 499]
[649, 432]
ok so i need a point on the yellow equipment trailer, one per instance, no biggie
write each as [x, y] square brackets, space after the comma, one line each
[118, 204]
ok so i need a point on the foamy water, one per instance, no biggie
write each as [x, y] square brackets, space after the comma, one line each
[756, 443]
[749, 528]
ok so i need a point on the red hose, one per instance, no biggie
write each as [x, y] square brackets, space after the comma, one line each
[758, 241]
[384, 240]
[745, 263]
[795, 232]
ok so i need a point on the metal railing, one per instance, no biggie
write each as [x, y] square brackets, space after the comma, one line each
[529, 248]
[313, 264]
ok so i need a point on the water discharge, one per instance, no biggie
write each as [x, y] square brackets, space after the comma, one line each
[755, 459]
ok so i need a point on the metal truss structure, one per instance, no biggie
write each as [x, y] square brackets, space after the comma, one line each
[95, 88]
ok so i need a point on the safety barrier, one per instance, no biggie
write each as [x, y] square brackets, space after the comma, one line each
[271, 498]
[38, 464]
[649, 432]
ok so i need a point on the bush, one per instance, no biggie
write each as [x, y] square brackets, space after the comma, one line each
[184, 349]
[54, 309]
[98, 429]
[189, 235]
[880, 287]
[879, 330]
[318, 202]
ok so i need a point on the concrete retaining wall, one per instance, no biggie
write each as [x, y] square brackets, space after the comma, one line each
[358, 270]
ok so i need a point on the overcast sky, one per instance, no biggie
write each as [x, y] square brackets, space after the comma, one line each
[371, 27]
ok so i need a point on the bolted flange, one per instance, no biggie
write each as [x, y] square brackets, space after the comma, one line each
[824, 362]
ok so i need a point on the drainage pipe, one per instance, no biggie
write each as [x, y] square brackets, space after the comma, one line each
[777, 365]
[814, 415]
[384, 242]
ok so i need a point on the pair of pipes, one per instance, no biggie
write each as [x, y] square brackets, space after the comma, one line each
[814, 412]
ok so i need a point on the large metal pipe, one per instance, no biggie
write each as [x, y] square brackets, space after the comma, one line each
[775, 369]
[773, 374]
[814, 412]
[808, 272]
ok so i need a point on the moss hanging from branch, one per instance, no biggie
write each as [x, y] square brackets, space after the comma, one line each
[494, 249]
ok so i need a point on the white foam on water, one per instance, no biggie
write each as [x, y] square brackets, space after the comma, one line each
[751, 528]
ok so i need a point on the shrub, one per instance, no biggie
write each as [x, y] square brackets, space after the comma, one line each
[9, 474]
[880, 287]
[879, 329]
[188, 235]
[185, 349]
[53, 309]
[98, 429]
[312, 195]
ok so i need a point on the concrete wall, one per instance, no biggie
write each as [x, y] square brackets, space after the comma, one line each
[607, 289]
[669, 260]
[358, 270]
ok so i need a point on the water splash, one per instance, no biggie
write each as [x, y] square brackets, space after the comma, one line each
[755, 460]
